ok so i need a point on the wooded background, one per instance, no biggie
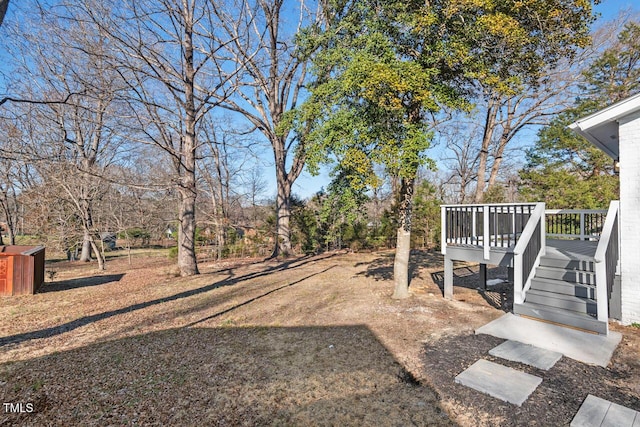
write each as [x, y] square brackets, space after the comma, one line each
[161, 122]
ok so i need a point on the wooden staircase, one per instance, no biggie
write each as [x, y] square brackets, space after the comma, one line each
[563, 290]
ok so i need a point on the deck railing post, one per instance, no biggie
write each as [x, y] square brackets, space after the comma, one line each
[443, 230]
[486, 242]
[518, 298]
[543, 233]
[602, 291]
[582, 236]
[474, 227]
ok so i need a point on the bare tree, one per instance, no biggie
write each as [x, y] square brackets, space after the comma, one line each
[72, 143]
[255, 187]
[14, 180]
[219, 166]
[4, 4]
[461, 158]
[263, 38]
[507, 114]
[168, 56]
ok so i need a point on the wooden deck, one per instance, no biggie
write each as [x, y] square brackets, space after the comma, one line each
[550, 256]
[572, 249]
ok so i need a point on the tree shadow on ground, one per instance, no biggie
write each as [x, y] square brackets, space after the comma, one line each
[499, 296]
[231, 280]
[381, 268]
[336, 375]
[64, 285]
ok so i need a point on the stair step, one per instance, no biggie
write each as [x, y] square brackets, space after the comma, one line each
[562, 302]
[573, 264]
[549, 314]
[561, 287]
[578, 276]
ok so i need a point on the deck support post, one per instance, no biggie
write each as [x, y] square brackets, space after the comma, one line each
[448, 278]
[483, 276]
[486, 237]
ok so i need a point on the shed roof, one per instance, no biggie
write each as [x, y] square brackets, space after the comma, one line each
[601, 127]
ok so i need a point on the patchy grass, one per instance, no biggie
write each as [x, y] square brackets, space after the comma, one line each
[306, 341]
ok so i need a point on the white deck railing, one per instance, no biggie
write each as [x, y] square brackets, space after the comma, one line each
[519, 228]
[606, 258]
[485, 226]
[582, 224]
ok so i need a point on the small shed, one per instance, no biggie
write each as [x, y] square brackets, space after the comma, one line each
[21, 269]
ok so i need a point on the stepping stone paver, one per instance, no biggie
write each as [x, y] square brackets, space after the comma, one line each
[527, 354]
[501, 382]
[597, 412]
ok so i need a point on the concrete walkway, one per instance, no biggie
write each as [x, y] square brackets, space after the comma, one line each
[501, 382]
[597, 412]
[541, 345]
[525, 353]
[582, 346]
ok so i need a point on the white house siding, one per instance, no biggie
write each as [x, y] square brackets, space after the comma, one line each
[629, 137]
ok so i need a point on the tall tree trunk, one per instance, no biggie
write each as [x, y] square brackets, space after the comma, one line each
[283, 215]
[85, 254]
[98, 254]
[497, 161]
[87, 224]
[489, 127]
[90, 237]
[187, 262]
[403, 243]
[11, 223]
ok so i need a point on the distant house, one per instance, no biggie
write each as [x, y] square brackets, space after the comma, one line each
[109, 240]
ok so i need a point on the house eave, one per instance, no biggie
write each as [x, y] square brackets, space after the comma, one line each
[601, 127]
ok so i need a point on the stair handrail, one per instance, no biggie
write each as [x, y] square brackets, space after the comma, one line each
[606, 258]
[527, 253]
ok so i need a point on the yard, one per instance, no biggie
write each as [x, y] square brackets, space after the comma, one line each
[309, 341]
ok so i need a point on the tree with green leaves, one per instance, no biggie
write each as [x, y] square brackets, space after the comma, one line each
[521, 60]
[373, 103]
[563, 169]
[616, 74]
[426, 210]
[386, 69]
[341, 213]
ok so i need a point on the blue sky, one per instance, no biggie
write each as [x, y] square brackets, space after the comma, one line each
[307, 185]
[609, 9]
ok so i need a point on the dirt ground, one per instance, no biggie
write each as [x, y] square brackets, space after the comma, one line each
[308, 341]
